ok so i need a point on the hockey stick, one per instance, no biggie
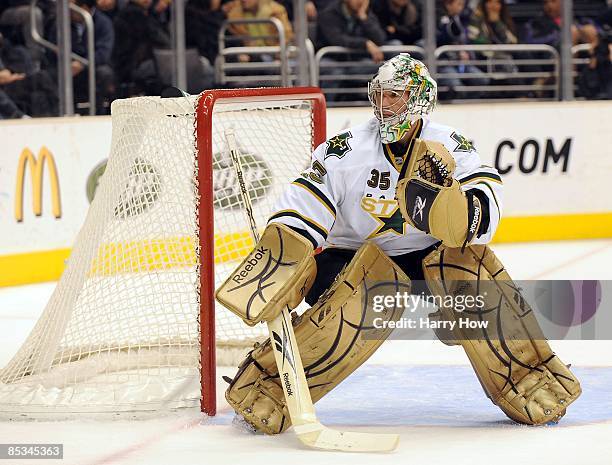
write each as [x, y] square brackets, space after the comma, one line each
[291, 371]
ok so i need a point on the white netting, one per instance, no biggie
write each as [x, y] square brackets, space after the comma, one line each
[121, 331]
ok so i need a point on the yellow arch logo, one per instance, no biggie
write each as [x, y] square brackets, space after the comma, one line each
[36, 165]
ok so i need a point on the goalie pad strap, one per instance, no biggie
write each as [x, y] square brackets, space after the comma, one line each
[474, 218]
[334, 339]
[279, 271]
[513, 361]
[485, 213]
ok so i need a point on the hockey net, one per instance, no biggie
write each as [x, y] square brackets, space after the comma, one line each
[132, 326]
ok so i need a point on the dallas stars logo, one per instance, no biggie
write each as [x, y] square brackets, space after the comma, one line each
[338, 146]
[401, 129]
[463, 145]
[392, 222]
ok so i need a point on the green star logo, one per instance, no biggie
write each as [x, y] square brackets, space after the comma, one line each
[463, 145]
[338, 146]
[403, 128]
[393, 223]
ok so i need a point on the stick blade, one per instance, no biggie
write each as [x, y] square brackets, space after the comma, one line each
[321, 437]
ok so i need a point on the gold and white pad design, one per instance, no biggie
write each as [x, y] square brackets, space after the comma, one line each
[431, 200]
[335, 337]
[279, 271]
[513, 361]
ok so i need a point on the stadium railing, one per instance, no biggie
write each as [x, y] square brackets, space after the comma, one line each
[513, 71]
[343, 73]
[267, 65]
[88, 61]
[581, 57]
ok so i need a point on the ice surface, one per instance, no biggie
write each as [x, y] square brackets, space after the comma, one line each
[422, 390]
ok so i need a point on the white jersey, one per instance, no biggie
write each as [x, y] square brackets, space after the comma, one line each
[347, 196]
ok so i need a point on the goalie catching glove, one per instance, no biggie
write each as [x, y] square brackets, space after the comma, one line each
[432, 201]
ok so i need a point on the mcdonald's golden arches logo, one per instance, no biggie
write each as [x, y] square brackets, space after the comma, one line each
[36, 165]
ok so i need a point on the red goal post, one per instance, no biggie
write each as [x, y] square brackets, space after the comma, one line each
[204, 143]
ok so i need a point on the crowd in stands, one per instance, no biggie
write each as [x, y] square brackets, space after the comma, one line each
[133, 45]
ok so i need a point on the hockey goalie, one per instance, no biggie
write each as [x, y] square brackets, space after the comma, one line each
[398, 200]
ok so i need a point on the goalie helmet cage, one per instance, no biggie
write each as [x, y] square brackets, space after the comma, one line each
[132, 325]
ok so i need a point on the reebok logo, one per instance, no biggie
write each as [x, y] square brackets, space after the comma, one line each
[250, 264]
[287, 384]
[475, 219]
[418, 208]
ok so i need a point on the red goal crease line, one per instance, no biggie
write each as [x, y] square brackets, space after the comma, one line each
[180, 251]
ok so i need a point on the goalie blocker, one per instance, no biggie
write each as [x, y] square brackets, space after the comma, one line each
[279, 271]
[432, 201]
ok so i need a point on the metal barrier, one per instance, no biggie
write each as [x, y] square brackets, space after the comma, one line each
[293, 54]
[253, 73]
[274, 62]
[581, 57]
[579, 49]
[89, 62]
[340, 72]
[511, 71]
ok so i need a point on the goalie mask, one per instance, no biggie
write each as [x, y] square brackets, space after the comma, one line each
[413, 95]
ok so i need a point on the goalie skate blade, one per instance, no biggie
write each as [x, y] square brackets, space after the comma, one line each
[321, 437]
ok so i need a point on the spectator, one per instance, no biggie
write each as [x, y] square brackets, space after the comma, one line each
[108, 7]
[595, 81]
[311, 7]
[605, 19]
[142, 55]
[203, 20]
[491, 23]
[546, 29]
[258, 9]
[351, 24]
[111, 7]
[401, 20]
[15, 14]
[104, 38]
[452, 30]
[452, 27]
[161, 10]
[25, 90]
[319, 6]
[137, 33]
[258, 35]
[8, 108]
